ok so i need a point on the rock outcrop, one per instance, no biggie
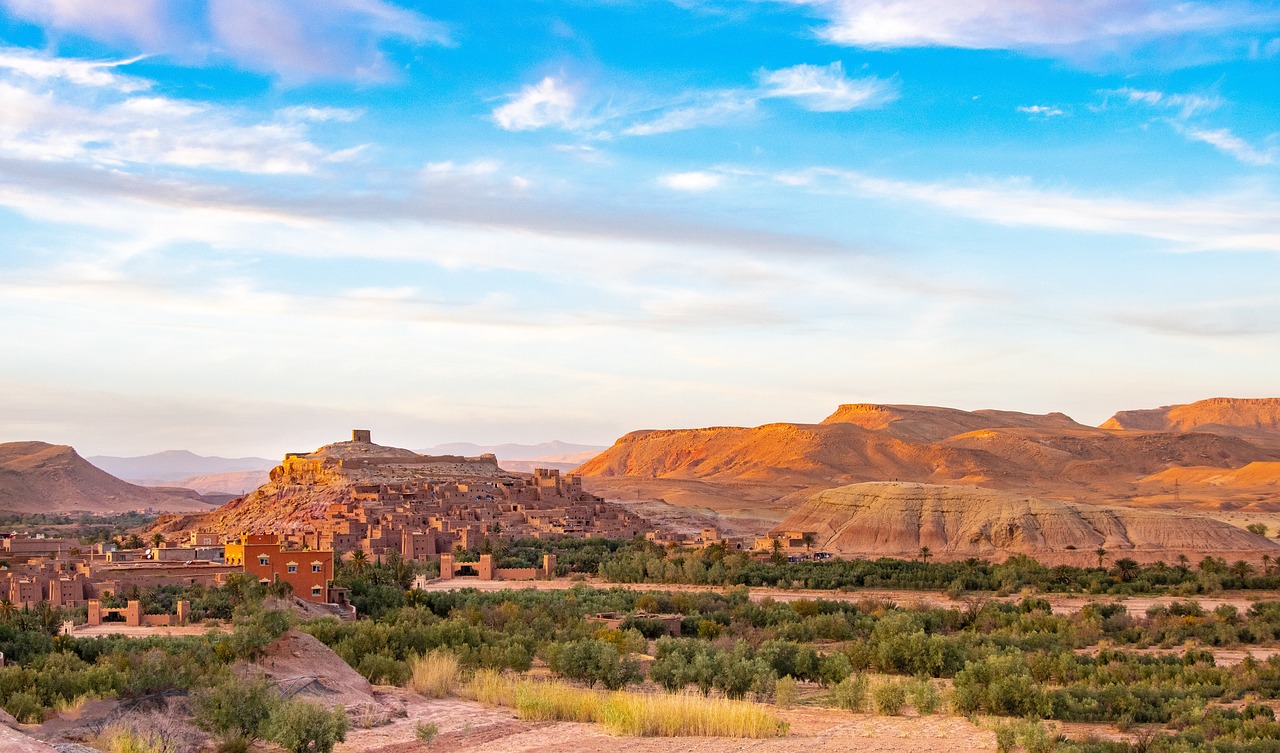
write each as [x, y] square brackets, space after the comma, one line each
[40, 477]
[1254, 419]
[759, 472]
[957, 522]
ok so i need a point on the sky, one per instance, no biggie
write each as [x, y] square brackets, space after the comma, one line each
[248, 226]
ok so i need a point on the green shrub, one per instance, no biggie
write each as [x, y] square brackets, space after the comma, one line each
[851, 693]
[924, 696]
[426, 732]
[237, 711]
[785, 692]
[305, 727]
[888, 697]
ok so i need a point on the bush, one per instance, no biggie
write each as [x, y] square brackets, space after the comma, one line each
[924, 696]
[236, 711]
[785, 692]
[888, 697]
[434, 675]
[593, 661]
[426, 732]
[305, 727]
[25, 707]
[384, 670]
[851, 693]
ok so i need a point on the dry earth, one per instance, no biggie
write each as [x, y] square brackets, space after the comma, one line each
[468, 726]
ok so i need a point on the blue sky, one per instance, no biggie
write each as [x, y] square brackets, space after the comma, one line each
[244, 226]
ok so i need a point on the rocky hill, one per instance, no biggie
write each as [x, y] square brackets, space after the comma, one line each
[40, 477]
[957, 522]
[760, 471]
[1254, 419]
[300, 489]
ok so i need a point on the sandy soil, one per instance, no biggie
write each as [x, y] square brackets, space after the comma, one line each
[118, 628]
[468, 726]
[1062, 604]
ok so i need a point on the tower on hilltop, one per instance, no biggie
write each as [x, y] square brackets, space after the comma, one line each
[361, 435]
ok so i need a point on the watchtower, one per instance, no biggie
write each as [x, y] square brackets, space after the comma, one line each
[361, 435]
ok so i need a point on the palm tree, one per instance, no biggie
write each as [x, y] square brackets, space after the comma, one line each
[157, 539]
[808, 541]
[1126, 569]
[1101, 553]
[133, 542]
[925, 554]
[1266, 565]
[777, 558]
[358, 560]
[1183, 562]
[1241, 569]
[7, 610]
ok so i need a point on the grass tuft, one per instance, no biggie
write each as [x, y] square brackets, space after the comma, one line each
[434, 675]
[624, 712]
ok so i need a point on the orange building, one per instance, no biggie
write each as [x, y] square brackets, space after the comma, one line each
[264, 557]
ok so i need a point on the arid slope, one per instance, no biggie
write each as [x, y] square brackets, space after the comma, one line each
[1254, 419]
[956, 522]
[40, 477]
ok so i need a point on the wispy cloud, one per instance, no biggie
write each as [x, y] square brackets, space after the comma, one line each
[93, 73]
[827, 88]
[76, 110]
[709, 109]
[1248, 222]
[549, 103]
[1042, 111]
[339, 39]
[692, 181]
[1054, 26]
[1224, 140]
[1186, 104]
[1186, 119]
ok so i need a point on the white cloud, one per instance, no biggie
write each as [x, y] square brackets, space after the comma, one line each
[1026, 24]
[716, 108]
[1187, 105]
[81, 72]
[547, 103]
[692, 181]
[1238, 223]
[1226, 141]
[72, 117]
[827, 88]
[1042, 111]
[315, 39]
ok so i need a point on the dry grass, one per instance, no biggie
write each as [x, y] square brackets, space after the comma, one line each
[434, 675]
[644, 715]
[124, 739]
[625, 713]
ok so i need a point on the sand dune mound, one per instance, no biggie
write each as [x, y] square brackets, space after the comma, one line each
[955, 522]
[1254, 419]
[40, 477]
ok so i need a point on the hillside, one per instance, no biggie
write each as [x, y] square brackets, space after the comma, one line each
[957, 522]
[1254, 419]
[40, 477]
[298, 492]
[758, 472]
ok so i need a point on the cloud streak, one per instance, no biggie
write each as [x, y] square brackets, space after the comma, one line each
[318, 39]
[1057, 27]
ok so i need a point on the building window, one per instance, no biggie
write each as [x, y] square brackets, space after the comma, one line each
[264, 582]
[315, 590]
[264, 560]
[293, 568]
[316, 567]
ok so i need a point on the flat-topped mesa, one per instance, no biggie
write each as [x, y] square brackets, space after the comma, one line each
[933, 424]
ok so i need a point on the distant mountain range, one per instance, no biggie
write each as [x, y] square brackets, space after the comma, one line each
[175, 465]
[40, 477]
[554, 450]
